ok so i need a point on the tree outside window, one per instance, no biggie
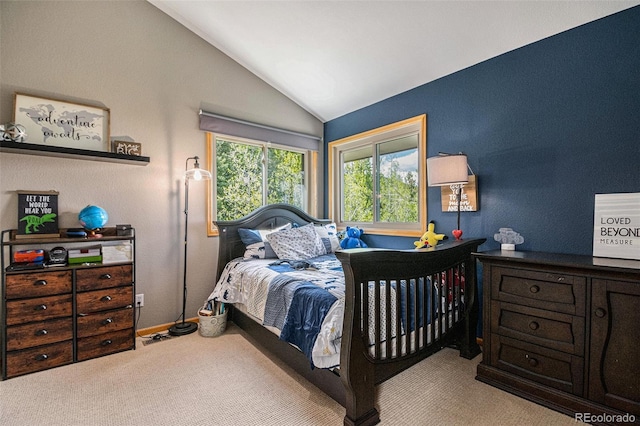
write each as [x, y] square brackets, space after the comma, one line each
[377, 179]
[250, 174]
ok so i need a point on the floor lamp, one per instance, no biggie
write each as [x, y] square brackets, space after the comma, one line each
[196, 173]
[449, 170]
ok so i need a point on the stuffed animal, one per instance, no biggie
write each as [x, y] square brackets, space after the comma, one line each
[352, 239]
[429, 238]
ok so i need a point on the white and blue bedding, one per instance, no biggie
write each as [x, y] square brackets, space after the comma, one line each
[303, 299]
[303, 302]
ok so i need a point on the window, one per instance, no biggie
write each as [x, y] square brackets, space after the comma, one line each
[249, 174]
[377, 179]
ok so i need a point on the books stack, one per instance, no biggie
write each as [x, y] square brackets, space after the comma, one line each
[92, 254]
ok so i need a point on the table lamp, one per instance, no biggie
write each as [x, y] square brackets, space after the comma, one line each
[449, 170]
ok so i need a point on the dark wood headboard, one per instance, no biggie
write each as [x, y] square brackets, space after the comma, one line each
[267, 217]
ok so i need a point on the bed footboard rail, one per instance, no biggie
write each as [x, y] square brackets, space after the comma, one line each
[400, 307]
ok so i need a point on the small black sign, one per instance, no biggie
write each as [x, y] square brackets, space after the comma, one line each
[37, 214]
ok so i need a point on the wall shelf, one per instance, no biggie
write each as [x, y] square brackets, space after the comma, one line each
[82, 154]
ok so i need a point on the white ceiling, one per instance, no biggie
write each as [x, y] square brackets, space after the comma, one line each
[334, 57]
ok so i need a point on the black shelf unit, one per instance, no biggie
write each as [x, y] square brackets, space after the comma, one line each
[82, 154]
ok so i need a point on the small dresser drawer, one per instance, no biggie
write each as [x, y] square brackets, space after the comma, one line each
[103, 322]
[106, 277]
[103, 344]
[103, 300]
[546, 366]
[553, 330]
[545, 290]
[38, 284]
[39, 309]
[40, 358]
[39, 333]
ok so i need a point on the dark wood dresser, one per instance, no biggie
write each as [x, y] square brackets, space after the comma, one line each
[64, 314]
[563, 331]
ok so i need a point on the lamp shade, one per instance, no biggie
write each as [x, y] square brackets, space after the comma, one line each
[196, 173]
[447, 169]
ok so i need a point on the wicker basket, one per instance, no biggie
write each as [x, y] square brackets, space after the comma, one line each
[212, 325]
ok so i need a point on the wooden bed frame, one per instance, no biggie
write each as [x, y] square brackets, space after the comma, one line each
[361, 368]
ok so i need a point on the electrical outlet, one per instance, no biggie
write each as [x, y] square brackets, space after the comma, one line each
[139, 300]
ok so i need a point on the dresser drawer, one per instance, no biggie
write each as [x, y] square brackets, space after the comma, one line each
[106, 277]
[103, 300]
[39, 309]
[39, 333]
[545, 290]
[103, 322]
[553, 330]
[103, 344]
[552, 368]
[37, 284]
[40, 358]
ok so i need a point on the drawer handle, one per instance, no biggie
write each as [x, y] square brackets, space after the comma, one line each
[600, 313]
[534, 289]
[106, 298]
[560, 279]
[106, 342]
[40, 282]
[40, 308]
[105, 277]
[42, 357]
[534, 325]
[532, 361]
[107, 321]
[42, 332]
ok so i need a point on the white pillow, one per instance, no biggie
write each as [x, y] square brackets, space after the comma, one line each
[297, 243]
[329, 236]
[256, 245]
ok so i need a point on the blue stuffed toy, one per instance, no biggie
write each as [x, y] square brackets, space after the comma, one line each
[352, 239]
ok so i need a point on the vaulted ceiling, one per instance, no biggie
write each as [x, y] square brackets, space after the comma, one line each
[334, 57]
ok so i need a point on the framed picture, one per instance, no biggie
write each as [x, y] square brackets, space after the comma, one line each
[616, 226]
[127, 148]
[37, 214]
[61, 123]
[468, 199]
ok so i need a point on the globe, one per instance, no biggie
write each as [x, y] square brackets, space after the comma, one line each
[93, 217]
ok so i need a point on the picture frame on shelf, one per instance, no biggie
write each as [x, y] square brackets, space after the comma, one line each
[126, 147]
[616, 226]
[61, 123]
[37, 214]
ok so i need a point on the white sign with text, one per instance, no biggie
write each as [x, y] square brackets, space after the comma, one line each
[616, 226]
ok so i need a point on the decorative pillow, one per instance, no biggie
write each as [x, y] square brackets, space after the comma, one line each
[297, 243]
[255, 241]
[329, 236]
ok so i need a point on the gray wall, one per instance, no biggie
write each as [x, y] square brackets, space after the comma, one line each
[154, 76]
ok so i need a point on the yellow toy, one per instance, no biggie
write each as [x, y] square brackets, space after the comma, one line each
[429, 238]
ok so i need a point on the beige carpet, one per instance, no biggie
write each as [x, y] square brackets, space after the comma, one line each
[193, 380]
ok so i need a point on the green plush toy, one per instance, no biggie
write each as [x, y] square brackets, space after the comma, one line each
[429, 238]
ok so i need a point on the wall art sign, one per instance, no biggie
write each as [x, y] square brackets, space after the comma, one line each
[616, 226]
[127, 148]
[37, 214]
[468, 200]
[61, 123]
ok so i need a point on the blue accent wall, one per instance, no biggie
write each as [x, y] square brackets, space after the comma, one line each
[545, 128]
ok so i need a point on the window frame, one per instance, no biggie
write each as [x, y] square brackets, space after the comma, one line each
[310, 170]
[371, 138]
